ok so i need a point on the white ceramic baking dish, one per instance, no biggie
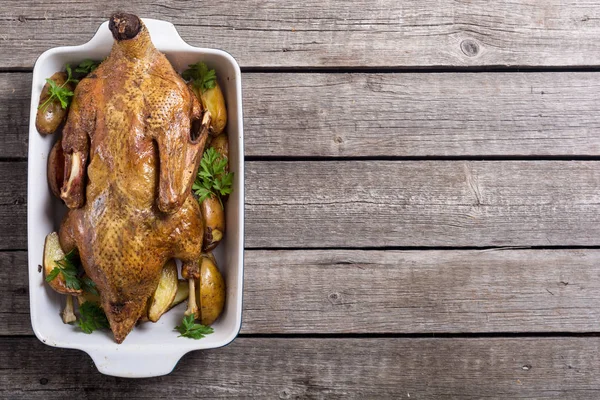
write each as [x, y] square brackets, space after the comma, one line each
[151, 349]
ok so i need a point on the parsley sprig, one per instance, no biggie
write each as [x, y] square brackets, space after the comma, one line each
[87, 66]
[91, 317]
[89, 286]
[60, 93]
[202, 78]
[212, 179]
[68, 268]
[192, 330]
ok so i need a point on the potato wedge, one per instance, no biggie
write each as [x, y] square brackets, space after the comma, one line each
[213, 102]
[87, 296]
[51, 114]
[53, 253]
[183, 291]
[210, 256]
[165, 292]
[56, 168]
[211, 292]
[214, 222]
[221, 145]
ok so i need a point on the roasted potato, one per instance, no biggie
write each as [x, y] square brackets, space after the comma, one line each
[56, 168]
[183, 290]
[87, 296]
[213, 102]
[210, 291]
[165, 291]
[214, 222]
[221, 145]
[53, 253]
[51, 114]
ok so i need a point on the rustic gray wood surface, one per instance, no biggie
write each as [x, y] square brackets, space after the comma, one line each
[330, 33]
[391, 114]
[315, 204]
[422, 203]
[386, 292]
[340, 368]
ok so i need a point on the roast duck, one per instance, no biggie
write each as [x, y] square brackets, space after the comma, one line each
[132, 142]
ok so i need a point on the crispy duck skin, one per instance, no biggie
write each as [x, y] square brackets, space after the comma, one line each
[132, 145]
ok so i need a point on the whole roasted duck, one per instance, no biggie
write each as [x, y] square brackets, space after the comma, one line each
[132, 143]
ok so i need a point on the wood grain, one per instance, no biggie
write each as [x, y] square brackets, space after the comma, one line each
[422, 203]
[390, 292]
[371, 115]
[394, 203]
[372, 292]
[15, 95]
[494, 368]
[13, 205]
[316, 33]
[374, 115]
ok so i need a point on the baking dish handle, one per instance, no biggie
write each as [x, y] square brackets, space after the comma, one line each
[135, 362]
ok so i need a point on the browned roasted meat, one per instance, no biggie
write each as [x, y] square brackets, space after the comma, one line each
[135, 121]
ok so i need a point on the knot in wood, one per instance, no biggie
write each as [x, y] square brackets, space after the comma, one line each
[469, 47]
[335, 299]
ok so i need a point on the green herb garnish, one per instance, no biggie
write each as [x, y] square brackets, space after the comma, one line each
[87, 66]
[192, 330]
[89, 286]
[68, 267]
[202, 78]
[212, 179]
[91, 317]
[60, 93]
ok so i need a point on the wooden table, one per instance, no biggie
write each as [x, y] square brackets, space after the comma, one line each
[423, 204]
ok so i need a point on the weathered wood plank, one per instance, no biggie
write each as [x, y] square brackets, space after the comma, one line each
[13, 205]
[15, 95]
[394, 203]
[523, 368]
[424, 203]
[316, 33]
[370, 115]
[342, 291]
[421, 291]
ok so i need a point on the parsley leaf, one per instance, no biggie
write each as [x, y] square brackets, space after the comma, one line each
[60, 93]
[211, 179]
[202, 78]
[89, 286]
[192, 330]
[53, 274]
[68, 268]
[91, 317]
[87, 66]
